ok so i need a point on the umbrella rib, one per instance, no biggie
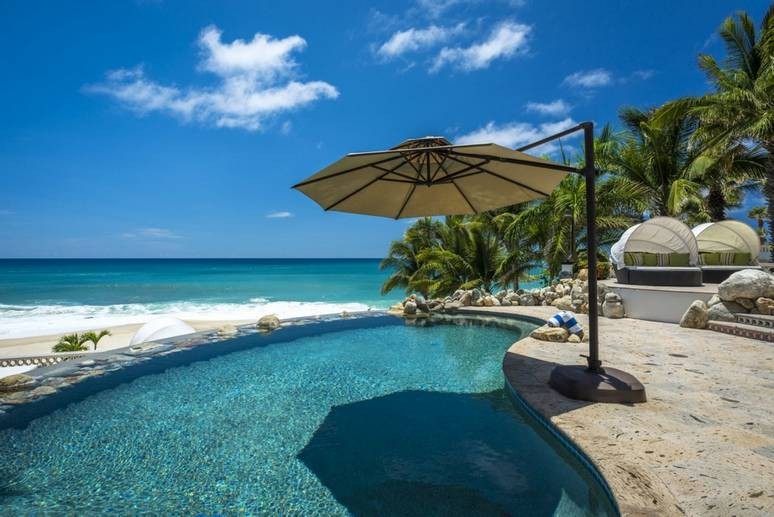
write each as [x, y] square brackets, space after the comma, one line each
[394, 171]
[346, 171]
[465, 169]
[401, 155]
[441, 167]
[542, 165]
[405, 201]
[363, 187]
[438, 170]
[504, 178]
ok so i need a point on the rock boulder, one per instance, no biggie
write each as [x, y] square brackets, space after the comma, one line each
[747, 283]
[269, 322]
[765, 305]
[553, 334]
[696, 316]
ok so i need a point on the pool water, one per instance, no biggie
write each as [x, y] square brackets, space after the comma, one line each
[391, 419]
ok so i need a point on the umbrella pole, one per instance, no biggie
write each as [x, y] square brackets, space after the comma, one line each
[590, 172]
[592, 382]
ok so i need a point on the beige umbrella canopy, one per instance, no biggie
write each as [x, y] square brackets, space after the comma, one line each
[431, 176]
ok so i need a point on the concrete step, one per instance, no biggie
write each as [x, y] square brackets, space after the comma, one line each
[758, 320]
[743, 330]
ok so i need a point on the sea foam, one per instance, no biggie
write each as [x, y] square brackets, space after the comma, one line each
[17, 321]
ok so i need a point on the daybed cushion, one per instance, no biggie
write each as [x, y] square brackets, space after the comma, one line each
[656, 259]
[679, 259]
[725, 259]
[741, 259]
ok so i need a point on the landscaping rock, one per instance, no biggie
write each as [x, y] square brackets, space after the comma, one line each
[696, 316]
[269, 322]
[17, 382]
[227, 330]
[747, 283]
[583, 274]
[42, 391]
[719, 312]
[714, 300]
[746, 303]
[574, 338]
[409, 307]
[397, 308]
[466, 298]
[553, 334]
[613, 307]
[422, 306]
[563, 303]
[765, 305]
[452, 306]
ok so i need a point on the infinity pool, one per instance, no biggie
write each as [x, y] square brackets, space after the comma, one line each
[367, 418]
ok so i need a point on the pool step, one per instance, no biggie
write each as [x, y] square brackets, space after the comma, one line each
[761, 333]
[758, 320]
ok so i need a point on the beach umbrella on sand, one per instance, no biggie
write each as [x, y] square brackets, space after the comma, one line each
[432, 177]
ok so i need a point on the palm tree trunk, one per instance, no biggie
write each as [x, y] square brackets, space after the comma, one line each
[716, 203]
[768, 188]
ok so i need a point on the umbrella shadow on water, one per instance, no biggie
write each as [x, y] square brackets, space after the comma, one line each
[432, 453]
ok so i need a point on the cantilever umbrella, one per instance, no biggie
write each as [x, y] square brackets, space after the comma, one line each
[431, 176]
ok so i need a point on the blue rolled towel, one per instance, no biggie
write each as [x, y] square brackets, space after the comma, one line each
[567, 320]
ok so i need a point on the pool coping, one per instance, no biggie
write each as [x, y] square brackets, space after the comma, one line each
[703, 444]
[580, 454]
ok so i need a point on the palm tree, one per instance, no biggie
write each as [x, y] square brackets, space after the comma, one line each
[727, 173]
[657, 161]
[94, 337]
[402, 257]
[759, 214]
[558, 223]
[741, 108]
[468, 254]
[71, 343]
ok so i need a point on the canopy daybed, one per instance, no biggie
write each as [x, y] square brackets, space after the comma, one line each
[659, 251]
[726, 247]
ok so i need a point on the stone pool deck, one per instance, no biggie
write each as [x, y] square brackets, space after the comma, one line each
[703, 444]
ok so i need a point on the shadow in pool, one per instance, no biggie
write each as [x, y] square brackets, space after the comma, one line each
[530, 375]
[430, 453]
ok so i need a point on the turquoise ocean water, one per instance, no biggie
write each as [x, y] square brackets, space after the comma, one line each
[49, 296]
[40, 297]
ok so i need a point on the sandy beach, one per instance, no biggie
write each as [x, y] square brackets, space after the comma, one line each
[120, 336]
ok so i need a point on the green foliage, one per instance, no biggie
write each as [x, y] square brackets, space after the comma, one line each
[95, 337]
[71, 343]
[740, 109]
[692, 158]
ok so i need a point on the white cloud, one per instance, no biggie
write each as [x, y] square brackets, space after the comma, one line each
[151, 234]
[412, 39]
[555, 108]
[256, 80]
[590, 78]
[516, 134]
[435, 8]
[279, 215]
[644, 74]
[506, 40]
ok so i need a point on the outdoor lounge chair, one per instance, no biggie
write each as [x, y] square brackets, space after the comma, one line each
[661, 251]
[726, 247]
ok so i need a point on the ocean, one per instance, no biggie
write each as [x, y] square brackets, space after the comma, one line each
[39, 297]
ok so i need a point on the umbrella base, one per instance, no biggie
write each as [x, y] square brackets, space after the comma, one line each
[605, 385]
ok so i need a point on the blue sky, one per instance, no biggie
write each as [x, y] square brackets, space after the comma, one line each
[159, 128]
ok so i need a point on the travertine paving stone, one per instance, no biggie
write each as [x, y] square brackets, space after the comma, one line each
[703, 444]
